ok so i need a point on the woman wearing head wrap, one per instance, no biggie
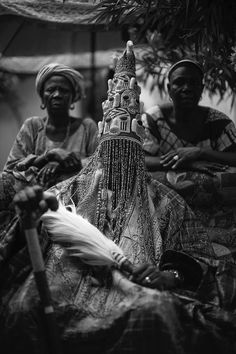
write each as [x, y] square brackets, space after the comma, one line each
[196, 146]
[51, 148]
[184, 134]
[99, 310]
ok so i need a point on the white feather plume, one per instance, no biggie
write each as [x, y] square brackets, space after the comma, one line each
[81, 238]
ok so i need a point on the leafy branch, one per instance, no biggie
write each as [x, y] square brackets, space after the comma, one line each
[170, 30]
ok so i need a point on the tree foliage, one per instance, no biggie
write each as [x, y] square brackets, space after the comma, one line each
[170, 30]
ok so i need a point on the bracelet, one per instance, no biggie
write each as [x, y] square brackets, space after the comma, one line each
[178, 276]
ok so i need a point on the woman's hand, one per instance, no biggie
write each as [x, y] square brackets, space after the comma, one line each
[48, 172]
[207, 167]
[57, 154]
[67, 160]
[180, 157]
[71, 162]
[26, 163]
[150, 276]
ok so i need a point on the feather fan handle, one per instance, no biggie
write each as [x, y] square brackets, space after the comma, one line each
[84, 240]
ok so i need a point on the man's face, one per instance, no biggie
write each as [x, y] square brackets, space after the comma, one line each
[57, 93]
[185, 86]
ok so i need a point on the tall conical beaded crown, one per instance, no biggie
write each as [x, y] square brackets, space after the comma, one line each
[121, 110]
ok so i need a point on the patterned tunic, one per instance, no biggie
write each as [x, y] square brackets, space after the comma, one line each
[220, 132]
[112, 314]
[31, 142]
[212, 198]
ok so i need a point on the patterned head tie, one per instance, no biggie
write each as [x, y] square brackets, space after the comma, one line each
[121, 110]
[185, 62]
[73, 76]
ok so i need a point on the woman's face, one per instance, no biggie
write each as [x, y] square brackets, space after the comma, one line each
[57, 94]
[185, 86]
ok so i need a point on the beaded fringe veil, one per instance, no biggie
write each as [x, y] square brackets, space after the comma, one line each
[124, 175]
